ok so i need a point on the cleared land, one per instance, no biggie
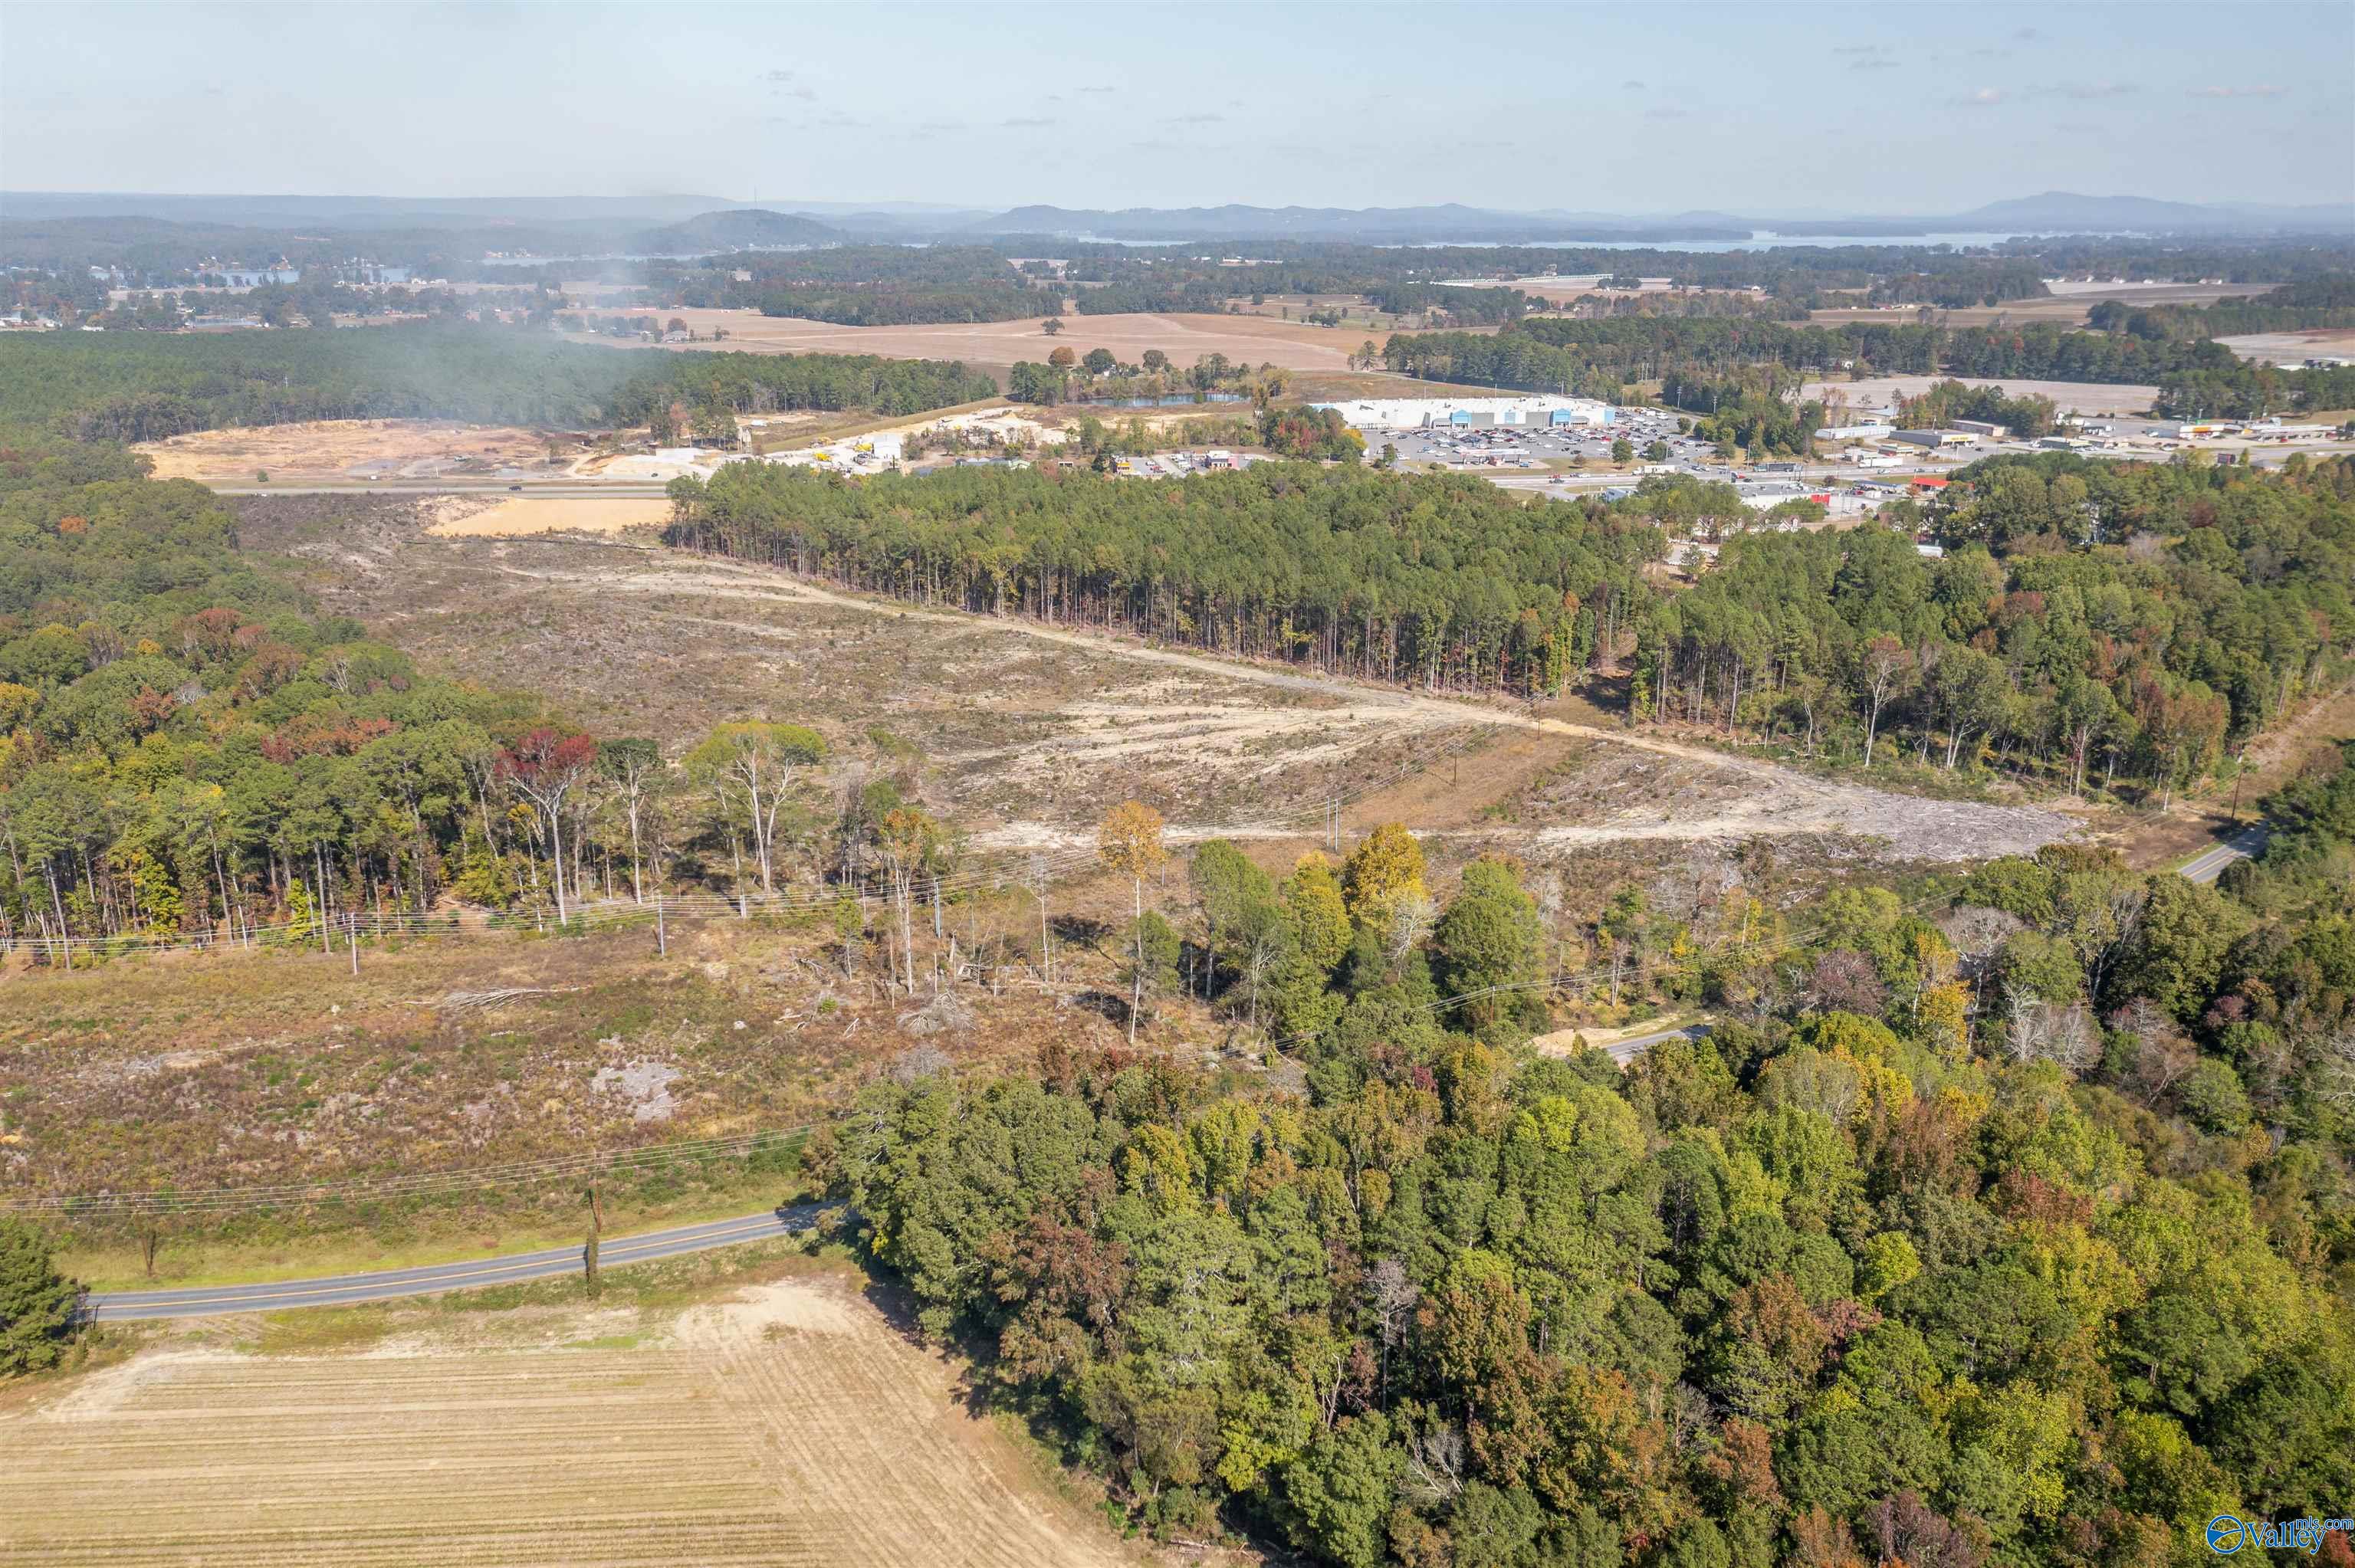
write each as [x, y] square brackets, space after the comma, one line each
[790, 1424]
[2084, 397]
[2068, 304]
[527, 514]
[2293, 348]
[347, 449]
[1252, 340]
[1029, 730]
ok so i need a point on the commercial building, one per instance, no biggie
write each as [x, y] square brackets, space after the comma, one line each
[1875, 430]
[1420, 413]
[1986, 428]
[1934, 438]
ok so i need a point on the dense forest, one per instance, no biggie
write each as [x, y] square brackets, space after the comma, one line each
[127, 386]
[1551, 353]
[2088, 623]
[1443, 579]
[2018, 1233]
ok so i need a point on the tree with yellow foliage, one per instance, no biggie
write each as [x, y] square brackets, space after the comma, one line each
[1383, 872]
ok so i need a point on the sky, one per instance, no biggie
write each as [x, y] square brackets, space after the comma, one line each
[1762, 108]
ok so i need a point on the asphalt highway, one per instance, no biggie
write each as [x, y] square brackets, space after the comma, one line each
[2243, 845]
[344, 1291]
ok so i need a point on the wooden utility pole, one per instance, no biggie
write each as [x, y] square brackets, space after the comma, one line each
[596, 1228]
[661, 937]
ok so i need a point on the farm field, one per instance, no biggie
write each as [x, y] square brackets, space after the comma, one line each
[997, 344]
[2084, 397]
[788, 1422]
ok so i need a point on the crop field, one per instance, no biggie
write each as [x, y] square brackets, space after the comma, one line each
[790, 1424]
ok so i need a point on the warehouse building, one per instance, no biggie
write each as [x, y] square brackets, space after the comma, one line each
[1986, 428]
[1935, 438]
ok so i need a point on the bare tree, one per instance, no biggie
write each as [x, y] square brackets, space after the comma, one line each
[1881, 667]
[2043, 1031]
[545, 767]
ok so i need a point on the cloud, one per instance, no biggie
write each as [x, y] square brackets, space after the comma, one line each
[1194, 120]
[2082, 90]
[1856, 48]
[1633, 86]
[776, 78]
[2026, 35]
[1025, 122]
[2260, 91]
[936, 127]
[1985, 98]
[1153, 147]
[1875, 63]
[1099, 90]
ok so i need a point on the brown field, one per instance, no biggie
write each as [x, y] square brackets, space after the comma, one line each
[343, 449]
[2067, 305]
[2084, 397]
[1251, 340]
[2293, 348]
[786, 1423]
[531, 514]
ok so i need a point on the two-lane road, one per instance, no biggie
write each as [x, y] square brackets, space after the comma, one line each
[345, 1289]
[2246, 844]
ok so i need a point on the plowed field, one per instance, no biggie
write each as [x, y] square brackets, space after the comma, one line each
[791, 1425]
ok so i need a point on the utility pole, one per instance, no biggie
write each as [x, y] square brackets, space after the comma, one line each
[596, 1228]
[662, 938]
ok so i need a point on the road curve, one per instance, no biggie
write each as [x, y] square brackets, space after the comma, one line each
[346, 1289]
[2210, 864]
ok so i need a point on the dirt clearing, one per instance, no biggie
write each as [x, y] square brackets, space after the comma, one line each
[349, 448]
[789, 1424]
[2084, 396]
[534, 516]
[2294, 349]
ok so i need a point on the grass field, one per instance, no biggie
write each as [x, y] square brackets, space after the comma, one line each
[782, 1420]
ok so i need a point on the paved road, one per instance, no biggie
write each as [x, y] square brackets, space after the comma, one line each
[343, 1290]
[2243, 845]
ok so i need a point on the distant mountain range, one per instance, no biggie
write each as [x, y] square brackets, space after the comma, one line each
[699, 222]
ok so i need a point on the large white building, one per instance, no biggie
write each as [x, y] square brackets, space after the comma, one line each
[1416, 413]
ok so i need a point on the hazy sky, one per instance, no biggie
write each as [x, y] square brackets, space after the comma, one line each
[1653, 108]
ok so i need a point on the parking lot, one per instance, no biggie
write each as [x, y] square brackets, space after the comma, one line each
[1536, 447]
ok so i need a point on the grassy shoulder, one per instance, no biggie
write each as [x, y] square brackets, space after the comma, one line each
[118, 1262]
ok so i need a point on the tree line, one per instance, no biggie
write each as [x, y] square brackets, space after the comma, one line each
[190, 753]
[124, 386]
[2088, 623]
[1552, 353]
[1442, 580]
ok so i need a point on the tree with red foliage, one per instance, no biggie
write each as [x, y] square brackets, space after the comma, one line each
[545, 766]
